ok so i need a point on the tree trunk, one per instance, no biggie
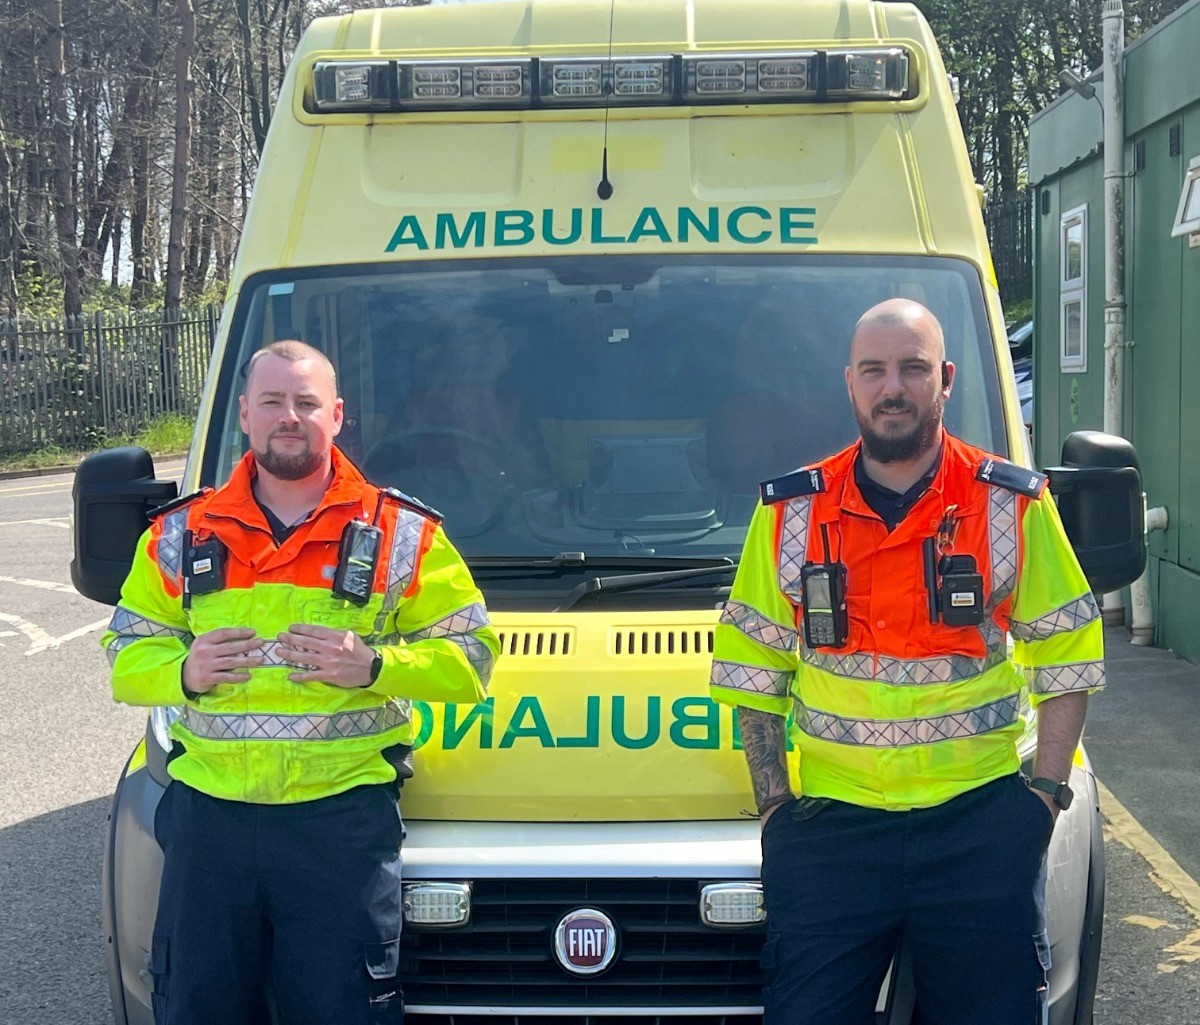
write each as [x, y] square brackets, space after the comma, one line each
[61, 167]
[185, 87]
[140, 230]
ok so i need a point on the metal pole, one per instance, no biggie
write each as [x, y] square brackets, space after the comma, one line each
[1114, 240]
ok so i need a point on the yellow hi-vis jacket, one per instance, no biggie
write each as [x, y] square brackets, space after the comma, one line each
[272, 741]
[908, 713]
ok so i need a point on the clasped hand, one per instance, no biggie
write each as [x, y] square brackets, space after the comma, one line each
[338, 657]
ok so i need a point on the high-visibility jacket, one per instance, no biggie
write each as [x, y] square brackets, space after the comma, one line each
[908, 713]
[272, 741]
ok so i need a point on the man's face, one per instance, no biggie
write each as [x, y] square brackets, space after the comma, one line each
[895, 383]
[291, 414]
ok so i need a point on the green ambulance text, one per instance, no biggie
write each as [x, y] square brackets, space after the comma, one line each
[744, 225]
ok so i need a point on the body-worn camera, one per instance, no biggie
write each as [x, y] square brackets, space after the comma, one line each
[961, 593]
[203, 567]
[955, 587]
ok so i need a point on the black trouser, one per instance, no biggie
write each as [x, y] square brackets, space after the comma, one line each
[962, 884]
[303, 899]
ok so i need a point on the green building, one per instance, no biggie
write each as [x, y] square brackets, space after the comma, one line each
[1161, 406]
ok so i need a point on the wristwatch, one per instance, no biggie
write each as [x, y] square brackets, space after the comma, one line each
[1063, 795]
[376, 667]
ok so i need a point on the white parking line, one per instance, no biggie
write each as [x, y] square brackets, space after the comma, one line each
[40, 640]
[44, 585]
[36, 489]
[48, 521]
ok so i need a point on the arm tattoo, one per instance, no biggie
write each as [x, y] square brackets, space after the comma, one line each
[763, 741]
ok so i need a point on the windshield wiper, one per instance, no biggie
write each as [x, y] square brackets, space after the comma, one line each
[632, 581]
[527, 561]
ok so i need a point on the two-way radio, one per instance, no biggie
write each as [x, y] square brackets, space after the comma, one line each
[824, 584]
[358, 558]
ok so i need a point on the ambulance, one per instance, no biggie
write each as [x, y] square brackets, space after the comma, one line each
[588, 271]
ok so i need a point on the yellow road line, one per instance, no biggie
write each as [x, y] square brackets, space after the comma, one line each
[1166, 872]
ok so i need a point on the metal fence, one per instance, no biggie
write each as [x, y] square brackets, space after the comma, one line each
[79, 381]
[1010, 234]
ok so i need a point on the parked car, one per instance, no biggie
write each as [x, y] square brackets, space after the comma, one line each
[1020, 345]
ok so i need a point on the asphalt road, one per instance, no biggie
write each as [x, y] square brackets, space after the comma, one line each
[63, 743]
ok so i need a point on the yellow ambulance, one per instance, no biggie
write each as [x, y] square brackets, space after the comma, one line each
[588, 271]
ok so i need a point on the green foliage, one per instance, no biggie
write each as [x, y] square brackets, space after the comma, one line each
[1017, 310]
[166, 434]
[171, 432]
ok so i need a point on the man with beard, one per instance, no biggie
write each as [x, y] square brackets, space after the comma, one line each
[293, 614]
[873, 602]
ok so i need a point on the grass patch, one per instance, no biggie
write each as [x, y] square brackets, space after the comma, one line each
[169, 433]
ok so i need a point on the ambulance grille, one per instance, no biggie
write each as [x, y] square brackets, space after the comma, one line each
[536, 643]
[678, 641]
[505, 956]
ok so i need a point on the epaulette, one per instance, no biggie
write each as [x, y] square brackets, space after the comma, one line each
[177, 503]
[414, 504]
[1011, 477]
[800, 482]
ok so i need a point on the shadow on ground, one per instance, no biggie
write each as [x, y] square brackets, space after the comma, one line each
[51, 948]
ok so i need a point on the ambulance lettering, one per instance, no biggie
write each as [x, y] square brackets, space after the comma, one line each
[743, 225]
[692, 723]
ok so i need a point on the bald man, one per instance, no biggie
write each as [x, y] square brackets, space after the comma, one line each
[873, 603]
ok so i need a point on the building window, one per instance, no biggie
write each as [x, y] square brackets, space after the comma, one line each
[1072, 291]
[1187, 217]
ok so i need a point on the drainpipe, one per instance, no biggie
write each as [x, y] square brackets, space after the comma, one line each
[1114, 251]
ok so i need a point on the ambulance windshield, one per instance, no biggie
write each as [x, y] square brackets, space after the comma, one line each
[616, 406]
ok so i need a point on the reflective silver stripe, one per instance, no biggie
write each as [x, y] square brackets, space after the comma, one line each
[459, 628]
[169, 552]
[906, 732]
[774, 683]
[402, 560]
[1062, 620]
[271, 657]
[129, 627]
[1065, 679]
[793, 546]
[265, 726]
[1002, 532]
[864, 665]
[758, 627]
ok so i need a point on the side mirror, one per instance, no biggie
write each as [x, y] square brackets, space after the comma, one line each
[1099, 494]
[114, 490]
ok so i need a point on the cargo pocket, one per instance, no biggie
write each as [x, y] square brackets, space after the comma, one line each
[387, 999]
[1041, 942]
[160, 961]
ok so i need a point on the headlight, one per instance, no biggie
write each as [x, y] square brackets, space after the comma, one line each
[442, 904]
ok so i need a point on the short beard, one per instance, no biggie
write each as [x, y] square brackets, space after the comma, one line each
[289, 467]
[905, 447]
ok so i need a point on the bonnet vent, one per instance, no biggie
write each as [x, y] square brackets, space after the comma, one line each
[535, 643]
[673, 641]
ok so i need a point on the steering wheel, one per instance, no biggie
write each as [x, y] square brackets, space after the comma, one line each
[470, 484]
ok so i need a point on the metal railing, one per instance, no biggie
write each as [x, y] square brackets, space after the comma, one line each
[1009, 223]
[77, 382]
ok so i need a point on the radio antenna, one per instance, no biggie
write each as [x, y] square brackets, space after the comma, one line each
[605, 189]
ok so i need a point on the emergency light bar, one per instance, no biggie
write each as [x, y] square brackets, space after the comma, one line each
[522, 83]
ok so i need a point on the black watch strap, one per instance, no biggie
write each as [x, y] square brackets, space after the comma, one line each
[1063, 795]
[376, 666]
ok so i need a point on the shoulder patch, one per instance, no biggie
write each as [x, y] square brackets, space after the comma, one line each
[413, 503]
[796, 484]
[1001, 474]
[178, 503]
